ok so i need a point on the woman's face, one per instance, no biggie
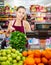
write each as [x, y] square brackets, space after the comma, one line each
[21, 13]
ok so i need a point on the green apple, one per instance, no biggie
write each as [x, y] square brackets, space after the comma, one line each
[9, 59]
[13, 55]
[14, 61]
[8, 63]
[17, 52]
[3, 63]
[3, 58]
[0, 62]
[3, 53]
[9, 55]
[13, 50]
[18, 58]
[8, 51]
[15, 64]
[20, 63]
[23, 58]
[1, 50]
[20, 54]
[0, 53]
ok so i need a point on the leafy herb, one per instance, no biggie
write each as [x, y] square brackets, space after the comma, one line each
[18, 40]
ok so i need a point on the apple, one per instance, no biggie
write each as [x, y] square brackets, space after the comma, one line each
[0, 53]
[8, 63]
[10, 59]
[0, 62]
[15, 64]
[3, 58]
[1, 50]
[3, 63]
[13, 50]
[8, 51]
[18, 58]
[20, 54]
[13, 55]
[17, 52]
[0, 58]
[3, 53]
[20, 63]
[23, 58]
[9, 55]
[14, 61]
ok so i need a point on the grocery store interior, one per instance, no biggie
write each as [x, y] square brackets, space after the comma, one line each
[32, 46]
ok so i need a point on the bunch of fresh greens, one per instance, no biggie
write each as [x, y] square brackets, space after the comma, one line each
[18, 40]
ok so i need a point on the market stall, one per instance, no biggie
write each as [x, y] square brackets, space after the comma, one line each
[30, 48]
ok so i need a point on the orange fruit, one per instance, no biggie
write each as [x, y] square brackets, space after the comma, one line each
[40, 64]
[37, 53]
[29, 61]
[44, 60]
[31, 55]
[37, 60]
[30, 52]
[48, 55]
[43, 53]
[49, 62]
[34, 64]
[24, 53]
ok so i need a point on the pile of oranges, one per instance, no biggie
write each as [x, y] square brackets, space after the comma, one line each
[37, 57]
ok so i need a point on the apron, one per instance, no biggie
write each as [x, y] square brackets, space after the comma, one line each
[18, 28]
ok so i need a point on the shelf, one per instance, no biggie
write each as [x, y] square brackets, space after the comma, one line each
[40, 12]
[3, 19]
[42, 22]
[39, 34]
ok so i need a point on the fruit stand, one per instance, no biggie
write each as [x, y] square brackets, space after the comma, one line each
[32, 48]
[10, 56]
[17, 54]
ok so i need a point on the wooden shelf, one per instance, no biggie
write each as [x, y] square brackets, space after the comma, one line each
[39, 34]
[6, 19]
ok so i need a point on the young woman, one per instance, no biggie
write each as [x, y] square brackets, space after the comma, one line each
[19, 24]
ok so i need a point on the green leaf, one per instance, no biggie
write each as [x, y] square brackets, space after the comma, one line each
[18, 40]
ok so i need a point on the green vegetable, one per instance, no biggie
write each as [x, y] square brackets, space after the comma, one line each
[18, 40]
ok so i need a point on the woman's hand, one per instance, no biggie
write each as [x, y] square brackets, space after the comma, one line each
[12, 29]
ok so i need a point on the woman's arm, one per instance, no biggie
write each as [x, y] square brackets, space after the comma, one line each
[9, 26]
[9, 29]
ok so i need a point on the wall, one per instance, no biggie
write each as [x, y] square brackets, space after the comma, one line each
[27, 3]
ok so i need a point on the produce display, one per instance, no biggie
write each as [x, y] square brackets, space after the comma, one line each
[38, 8]
[11, 56]
[37, 57]
[18, 40]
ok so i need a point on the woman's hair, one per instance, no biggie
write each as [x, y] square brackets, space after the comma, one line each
[20, 7]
